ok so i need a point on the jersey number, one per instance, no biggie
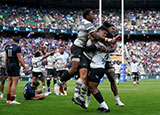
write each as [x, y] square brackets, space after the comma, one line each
[9, 52]
[36, 65]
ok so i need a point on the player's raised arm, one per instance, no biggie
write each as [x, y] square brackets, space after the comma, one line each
[47, 55]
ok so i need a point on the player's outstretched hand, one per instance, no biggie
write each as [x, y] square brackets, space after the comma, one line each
[26, 70]
[118, 37]
[113, 41]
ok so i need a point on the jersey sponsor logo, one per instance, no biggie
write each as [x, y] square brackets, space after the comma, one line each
[97, 76]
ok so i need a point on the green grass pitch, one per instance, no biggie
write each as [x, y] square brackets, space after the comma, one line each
[143, 99]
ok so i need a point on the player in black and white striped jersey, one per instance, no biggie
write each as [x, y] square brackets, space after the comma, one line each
[85, 28]
[90, 50]
[2, 71]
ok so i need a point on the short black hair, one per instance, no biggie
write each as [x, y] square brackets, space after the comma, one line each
[86, 12]
[16, 39]
[102, 28]
[6, 46]
[107, 24]
[61, 46]
[37, 54]
[36, 83]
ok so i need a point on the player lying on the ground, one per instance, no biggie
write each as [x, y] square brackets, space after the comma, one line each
[37, 68]
[3, 74]
[31, 91]
[85, 28]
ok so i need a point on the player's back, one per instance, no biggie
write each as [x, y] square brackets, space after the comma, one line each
[28, 91]
[36, 64]
[11, 52]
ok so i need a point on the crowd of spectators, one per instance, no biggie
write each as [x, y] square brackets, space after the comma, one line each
[32, 45]
[148, 53]
[138, 20]
[50, 18]
[135, 20]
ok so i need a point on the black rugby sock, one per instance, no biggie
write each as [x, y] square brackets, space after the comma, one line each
[98, 97]
[48, 83]
[66, 76]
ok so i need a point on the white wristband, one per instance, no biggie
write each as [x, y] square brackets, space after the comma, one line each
[108, 40]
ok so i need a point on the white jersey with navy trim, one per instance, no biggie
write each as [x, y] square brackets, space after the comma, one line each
[3, 59]
[117, 68]
[50, 60]
[60, 60]
[98, 60]
[37, 64]
[84, 29]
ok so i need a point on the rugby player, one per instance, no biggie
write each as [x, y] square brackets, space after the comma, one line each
[37, 68]
[117, 68]
[134, 69]
[110, 74]
[97, 70]
[51, 71]
[3, 68]
[31, 92]
[13, 58]
[61, 60]
[85, 28]
[85, 63]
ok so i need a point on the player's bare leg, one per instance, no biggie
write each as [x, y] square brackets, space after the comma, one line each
[117, 79]
[48, 84]
[66, 76]
[134, 80]
[137, 79]
[9, 90]
[54, 80]
[44, 86]
[103, 107]
[13, 90]
[65, 88]
[3, 78]
[110, 73]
